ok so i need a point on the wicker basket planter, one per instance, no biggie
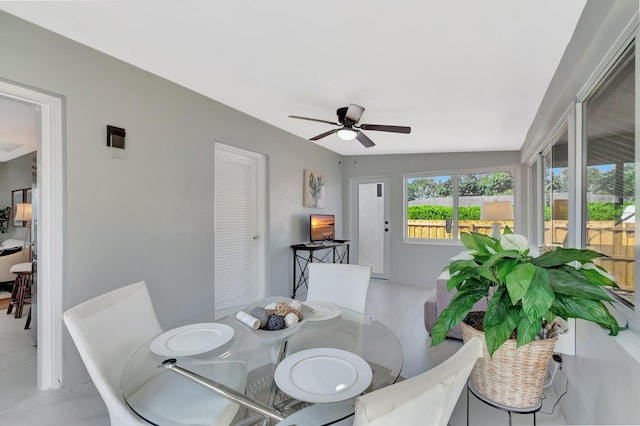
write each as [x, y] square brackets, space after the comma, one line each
[512, 377]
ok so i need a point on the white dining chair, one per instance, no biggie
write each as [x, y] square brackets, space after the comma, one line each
[107, 330]
[427, 399]
[342, 284]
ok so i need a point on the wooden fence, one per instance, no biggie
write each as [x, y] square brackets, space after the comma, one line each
[442, 229]
[617, 241]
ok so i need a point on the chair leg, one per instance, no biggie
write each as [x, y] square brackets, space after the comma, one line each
[22, 280]
[467, 405]
[14, 293]
[27, 325]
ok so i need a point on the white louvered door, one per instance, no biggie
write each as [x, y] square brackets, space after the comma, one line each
[239, 213]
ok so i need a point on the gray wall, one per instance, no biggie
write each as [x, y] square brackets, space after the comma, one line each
[604, 379]
[126, 218]
[417, 264]
[14, 174]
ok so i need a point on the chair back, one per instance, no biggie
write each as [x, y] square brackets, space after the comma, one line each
[426, 399]
[107, 330]
[345, 285]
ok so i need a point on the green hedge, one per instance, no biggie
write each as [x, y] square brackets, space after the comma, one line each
[597, 211]
[426, 212]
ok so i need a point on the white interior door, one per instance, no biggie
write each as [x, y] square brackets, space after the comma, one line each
[371, 224]
[239, 227]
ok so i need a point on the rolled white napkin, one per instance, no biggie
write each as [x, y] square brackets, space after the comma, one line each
[247, 319]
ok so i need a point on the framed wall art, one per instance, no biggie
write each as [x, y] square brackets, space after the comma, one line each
[313, 183]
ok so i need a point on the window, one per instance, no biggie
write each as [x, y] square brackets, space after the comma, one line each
[556, 192]
[609, 188]
[441, 206]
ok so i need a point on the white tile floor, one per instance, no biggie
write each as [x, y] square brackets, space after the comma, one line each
[399, 307]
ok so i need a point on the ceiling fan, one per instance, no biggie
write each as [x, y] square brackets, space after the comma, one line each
[348, 118]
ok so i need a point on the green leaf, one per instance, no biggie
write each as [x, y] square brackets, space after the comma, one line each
[527, 329]
[491, 267]
[470, 243]
[596, 278]
[458, 308]
[507, 230]
[566, 283]
[590, 310]
[456, 280]
[497, 307]
[496, 335]
[538, 299]
[479, 242]
[519, 280]
[463, 265]
[561, 256]
[505, 267]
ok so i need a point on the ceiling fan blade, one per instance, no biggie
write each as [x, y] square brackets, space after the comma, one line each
[322, 135]
[314, 119]
[354, 112]
[364, 140]
[383, 128]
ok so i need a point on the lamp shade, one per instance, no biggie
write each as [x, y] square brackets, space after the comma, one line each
[496, 210]
[23, 211]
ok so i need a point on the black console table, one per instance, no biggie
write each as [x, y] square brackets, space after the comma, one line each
[336, 251]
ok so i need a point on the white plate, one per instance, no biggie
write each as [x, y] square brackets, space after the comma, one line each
[323, 311]
[192, 339]
[323, 375]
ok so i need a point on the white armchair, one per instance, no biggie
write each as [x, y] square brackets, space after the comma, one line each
[426, 399]
[12, 252]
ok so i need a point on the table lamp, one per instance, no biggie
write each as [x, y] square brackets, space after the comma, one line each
[496, 210]
[23, 213]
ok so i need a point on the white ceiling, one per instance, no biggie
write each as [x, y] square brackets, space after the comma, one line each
[466, 75]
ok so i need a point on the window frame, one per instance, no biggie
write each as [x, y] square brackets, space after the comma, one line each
[631, 314]
[454, 226]
[575, 116]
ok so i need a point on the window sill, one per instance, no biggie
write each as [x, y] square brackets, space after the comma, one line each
[432, 241]
[629, 341]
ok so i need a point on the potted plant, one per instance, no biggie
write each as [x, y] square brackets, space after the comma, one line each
[523, 293]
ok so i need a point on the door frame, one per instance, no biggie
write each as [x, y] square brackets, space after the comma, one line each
[354, 222]
[261, 210]
[49, 222]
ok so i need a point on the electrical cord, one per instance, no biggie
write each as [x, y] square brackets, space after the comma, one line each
[566, 389]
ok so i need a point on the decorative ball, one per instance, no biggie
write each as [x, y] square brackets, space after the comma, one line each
[295, 304]
[270, 307]
[262, 315]
[282, 309]
[276, 322]
[296, 313]
[291, 319]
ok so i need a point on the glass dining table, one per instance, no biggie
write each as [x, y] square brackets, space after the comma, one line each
[308, 374]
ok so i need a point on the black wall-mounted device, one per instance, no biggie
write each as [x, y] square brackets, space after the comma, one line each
[115, 137]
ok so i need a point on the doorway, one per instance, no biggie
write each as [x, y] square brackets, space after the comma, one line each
[48, 220]
[371, 224]
[240, 212]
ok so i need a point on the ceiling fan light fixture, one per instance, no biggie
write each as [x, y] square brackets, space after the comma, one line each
[347, 134]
